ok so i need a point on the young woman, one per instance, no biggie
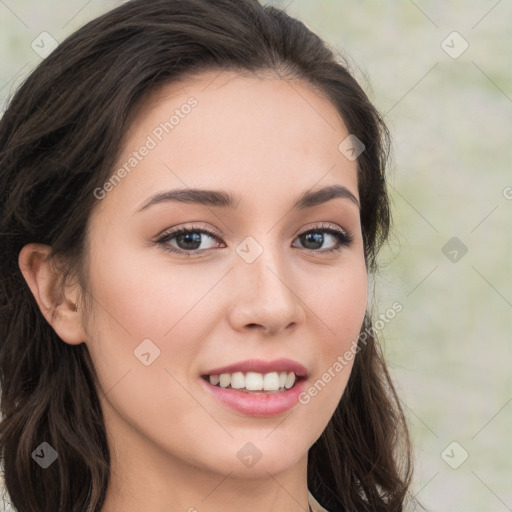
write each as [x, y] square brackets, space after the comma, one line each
[193, 197]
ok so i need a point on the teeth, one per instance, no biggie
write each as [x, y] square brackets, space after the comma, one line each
[290, 381]
[224, 380]
[270, 381]
[253, 381]
[237, 380]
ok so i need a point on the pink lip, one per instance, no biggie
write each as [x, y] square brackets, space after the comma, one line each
[261, 366]
[256, 403]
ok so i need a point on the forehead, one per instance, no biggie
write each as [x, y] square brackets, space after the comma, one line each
[253, 135]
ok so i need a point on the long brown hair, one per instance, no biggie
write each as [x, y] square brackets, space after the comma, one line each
[59, 140]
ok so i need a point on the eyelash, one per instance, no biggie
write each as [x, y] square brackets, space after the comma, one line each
[344, 238]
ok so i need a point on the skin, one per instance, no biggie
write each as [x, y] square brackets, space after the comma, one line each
[174, 447]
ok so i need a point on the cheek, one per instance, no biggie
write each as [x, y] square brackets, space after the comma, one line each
[134, 303]
[340, 303]
[143, 296]
[136, 300]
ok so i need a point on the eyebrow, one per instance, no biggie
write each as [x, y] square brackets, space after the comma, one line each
[224, 199]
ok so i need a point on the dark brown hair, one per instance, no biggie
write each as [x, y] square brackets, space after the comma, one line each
[59, 140]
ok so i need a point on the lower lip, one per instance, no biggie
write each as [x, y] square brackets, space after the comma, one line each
[257, 404]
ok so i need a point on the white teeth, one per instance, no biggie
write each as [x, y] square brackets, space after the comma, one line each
[224, 380]
[290, 381]
[253, 381]
[237, 380]
[271, 381]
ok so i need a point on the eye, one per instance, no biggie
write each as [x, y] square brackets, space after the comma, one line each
[188, 240]
[316, 237]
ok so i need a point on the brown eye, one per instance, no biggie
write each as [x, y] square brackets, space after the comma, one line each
[187, 240]
[314, 239]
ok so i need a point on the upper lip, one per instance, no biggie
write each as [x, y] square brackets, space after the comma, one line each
[262, 366]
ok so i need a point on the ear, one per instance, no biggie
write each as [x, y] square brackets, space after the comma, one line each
[43, 280]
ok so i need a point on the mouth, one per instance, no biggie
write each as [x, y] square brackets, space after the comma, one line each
[254, 382]
[255, 394]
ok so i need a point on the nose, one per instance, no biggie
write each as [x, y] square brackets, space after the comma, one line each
[265, 295]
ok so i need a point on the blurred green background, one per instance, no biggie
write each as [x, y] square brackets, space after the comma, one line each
[447, 99]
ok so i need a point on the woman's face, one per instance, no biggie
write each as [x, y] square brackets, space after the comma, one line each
[170, 309]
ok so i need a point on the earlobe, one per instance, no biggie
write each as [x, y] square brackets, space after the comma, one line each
[58, 307]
